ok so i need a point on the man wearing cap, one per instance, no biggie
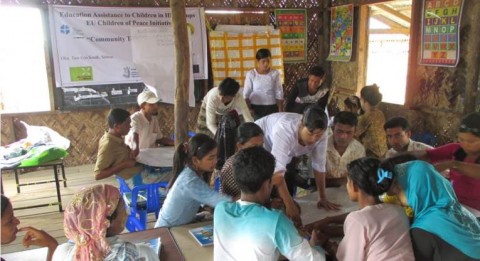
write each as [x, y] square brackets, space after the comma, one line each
[115, 158]
[145, 130]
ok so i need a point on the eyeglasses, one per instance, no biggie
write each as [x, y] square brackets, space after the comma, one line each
[474, 131]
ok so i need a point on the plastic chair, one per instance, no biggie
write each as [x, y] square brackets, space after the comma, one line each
[425, 137]
[216, 184]
[140, 201]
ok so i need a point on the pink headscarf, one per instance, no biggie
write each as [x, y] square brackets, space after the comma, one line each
[85, 221]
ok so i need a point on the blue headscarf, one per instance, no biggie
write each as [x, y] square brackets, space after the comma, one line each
[436, 207]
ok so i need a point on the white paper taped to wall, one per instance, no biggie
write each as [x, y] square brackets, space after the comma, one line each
[153, 53]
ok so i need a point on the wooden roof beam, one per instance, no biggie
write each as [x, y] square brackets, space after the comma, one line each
[398, 30]
[390, 23]
[393, 12]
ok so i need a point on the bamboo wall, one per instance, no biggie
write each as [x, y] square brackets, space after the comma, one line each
[84, 128]
[437, 97]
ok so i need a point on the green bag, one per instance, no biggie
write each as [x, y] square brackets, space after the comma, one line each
[41, 155]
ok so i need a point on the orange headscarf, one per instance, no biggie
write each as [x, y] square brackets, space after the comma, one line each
[85, 221]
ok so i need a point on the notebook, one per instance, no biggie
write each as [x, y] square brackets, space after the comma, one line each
[203, 235]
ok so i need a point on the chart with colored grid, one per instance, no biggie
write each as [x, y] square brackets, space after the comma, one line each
[293, 25]
[440, 32]
[233, 54]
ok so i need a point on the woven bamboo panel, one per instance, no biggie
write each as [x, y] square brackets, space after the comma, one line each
[84, 129]
[165, 3]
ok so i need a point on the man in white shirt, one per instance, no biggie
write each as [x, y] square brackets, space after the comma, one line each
[145, 130]
[289, 135]
[398, 134]
[342, 148]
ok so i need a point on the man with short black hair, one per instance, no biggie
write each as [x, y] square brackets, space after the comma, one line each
[289, 135]
[245, 229]
[307, 91]
[220, 101]
[342, 148]
[398, 134]
[115, 158]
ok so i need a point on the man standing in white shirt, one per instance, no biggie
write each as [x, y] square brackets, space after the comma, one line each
[398, 134]
[289, 135]
[342, 148]
[145, 130]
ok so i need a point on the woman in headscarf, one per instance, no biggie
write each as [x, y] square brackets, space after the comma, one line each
[442, 228]
[91, 222]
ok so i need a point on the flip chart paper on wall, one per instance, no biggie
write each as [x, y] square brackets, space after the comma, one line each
[92, 45]
[153, 53]
[233, 53]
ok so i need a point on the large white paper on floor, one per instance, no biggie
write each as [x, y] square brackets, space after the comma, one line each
[310, 212]
[157, 157]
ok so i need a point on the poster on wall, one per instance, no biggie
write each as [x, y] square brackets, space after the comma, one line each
[293, 26]
[341, 33]
[92, 52]
[441, 32]
[233, 53]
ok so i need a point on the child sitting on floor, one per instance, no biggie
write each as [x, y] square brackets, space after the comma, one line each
[246, 230]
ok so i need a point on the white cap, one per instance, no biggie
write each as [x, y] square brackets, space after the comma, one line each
[148, 97]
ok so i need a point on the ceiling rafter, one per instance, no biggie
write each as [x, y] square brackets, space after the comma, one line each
[392, 12]
[389, 22]
[402, 30]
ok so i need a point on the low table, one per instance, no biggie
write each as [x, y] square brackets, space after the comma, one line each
[191, 250]
[57, 166]
[169, 250]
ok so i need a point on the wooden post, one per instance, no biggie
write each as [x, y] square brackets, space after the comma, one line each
[414, 53]
[362, 46]
[472, 57]
[182, 79]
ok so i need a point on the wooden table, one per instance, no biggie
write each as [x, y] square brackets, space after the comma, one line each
[57, 166]
[310, 212]
[191, 250]
[189, 247]
[169, 250]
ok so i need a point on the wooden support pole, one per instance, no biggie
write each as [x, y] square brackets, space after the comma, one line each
[182, 79]
[362, 43]
[414, 54]
[471, 46]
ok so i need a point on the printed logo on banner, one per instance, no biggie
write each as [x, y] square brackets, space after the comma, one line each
[64, 29]
[130, 72]
[83, 73]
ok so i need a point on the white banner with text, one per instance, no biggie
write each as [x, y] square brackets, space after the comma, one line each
[93, 45]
